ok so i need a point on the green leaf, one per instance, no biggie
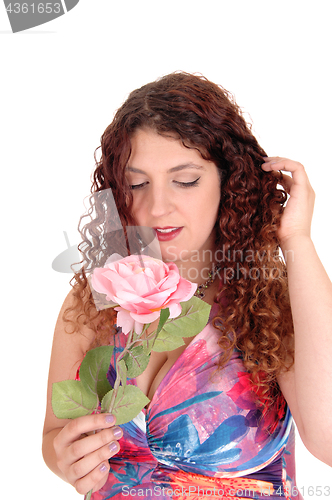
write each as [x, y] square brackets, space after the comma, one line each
[122, 370]
[164, 315]
[129, 401]
[94, 368]
[167, 342]
[106, 401]
[72, 399]
[193, 318]
[136, 360]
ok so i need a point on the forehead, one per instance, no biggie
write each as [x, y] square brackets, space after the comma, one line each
[177, 168]
[149, 149]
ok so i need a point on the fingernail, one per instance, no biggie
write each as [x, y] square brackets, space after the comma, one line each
[110, 419]
[113, 447]
[117, 432]
[103, 468]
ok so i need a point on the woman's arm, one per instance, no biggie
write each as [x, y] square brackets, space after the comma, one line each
[69, 448]
[307, 387]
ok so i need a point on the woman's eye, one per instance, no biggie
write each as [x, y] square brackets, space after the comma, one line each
[138, 186]
[179, 183]
[188, 184]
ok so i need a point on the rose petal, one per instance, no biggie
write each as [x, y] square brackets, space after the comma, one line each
[113, 258]
[146, 318]
[174, 310]
[125, 296]
[100, 283]
[124, 320]
[138, 327]
[184, 291]
[142, 286]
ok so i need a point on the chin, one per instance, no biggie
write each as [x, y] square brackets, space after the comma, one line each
[169, 253]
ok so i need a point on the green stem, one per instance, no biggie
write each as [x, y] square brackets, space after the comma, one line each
[132, 339]
[116, 383]
[117, 380]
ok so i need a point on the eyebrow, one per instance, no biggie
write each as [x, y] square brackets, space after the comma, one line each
[171, 170]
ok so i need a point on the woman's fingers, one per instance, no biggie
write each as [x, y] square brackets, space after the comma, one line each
[272, 160]
[298, 177]
[286, 181]
[83, 425]
[89, 444]
[91, 471]
[82, 456]
[294, 167]
[94, 480]
[296, 218]
[86, 454]
[88, 471]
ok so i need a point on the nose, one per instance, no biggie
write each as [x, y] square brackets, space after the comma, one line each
[159, 202]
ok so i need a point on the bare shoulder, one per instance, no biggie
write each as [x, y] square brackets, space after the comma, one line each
[80, 340]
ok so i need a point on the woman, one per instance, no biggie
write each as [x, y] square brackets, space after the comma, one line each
[180, 159]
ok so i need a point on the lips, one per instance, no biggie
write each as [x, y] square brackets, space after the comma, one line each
[167, 233]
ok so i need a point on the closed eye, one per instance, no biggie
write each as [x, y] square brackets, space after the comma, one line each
[188, 184]
[181, 184]
[138, 186]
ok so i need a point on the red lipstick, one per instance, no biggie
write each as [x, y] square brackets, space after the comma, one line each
[167, 233]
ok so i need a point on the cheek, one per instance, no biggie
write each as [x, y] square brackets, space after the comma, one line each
[138, 209]
[211, 203]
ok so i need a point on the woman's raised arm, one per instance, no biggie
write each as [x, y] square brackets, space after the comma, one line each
[307, 387]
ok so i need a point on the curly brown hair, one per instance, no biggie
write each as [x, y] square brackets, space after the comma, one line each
[254, 310]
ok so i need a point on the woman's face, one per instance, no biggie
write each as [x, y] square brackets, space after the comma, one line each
[176, 192]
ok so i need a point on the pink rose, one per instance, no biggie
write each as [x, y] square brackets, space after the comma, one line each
[142, 286]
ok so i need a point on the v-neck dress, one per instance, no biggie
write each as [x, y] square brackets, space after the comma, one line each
[205, 435]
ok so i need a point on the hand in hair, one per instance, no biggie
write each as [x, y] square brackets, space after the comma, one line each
[297, 216]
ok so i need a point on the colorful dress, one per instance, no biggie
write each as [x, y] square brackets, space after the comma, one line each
[204, 436]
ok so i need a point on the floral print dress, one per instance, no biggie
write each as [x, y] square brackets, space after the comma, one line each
[205, 435]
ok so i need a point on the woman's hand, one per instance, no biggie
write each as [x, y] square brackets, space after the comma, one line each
[82, 457]
[296, 219]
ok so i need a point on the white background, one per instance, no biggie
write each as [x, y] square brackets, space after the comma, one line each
[60, 85]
